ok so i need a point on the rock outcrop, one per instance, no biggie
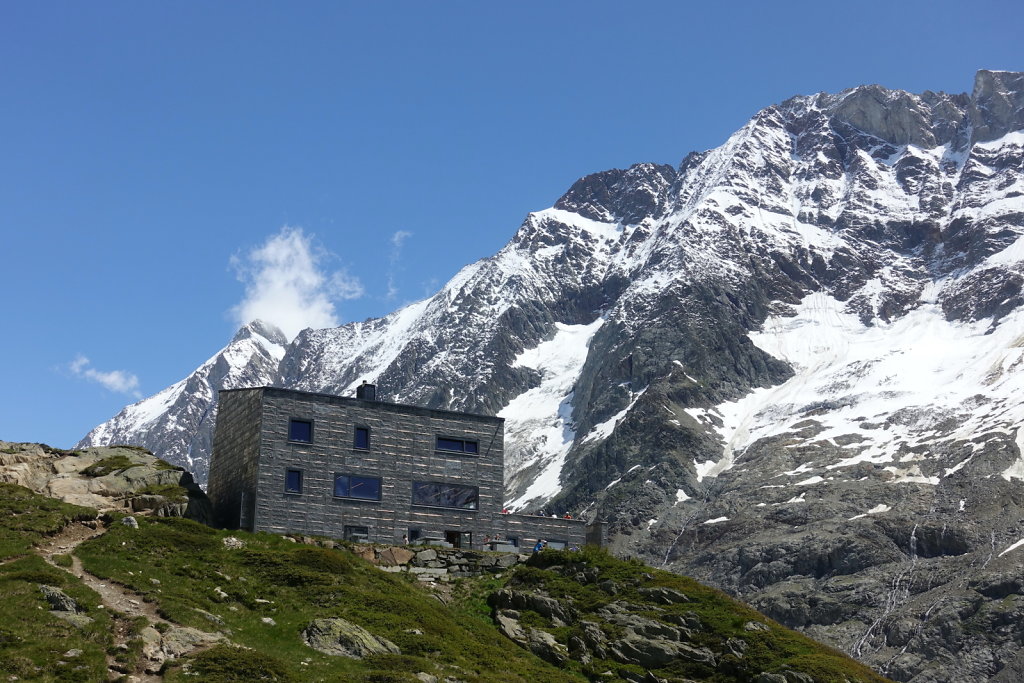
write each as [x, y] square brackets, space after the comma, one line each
[619, 620]
[123, 478]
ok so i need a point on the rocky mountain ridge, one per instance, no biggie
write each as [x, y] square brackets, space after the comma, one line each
[789, 366]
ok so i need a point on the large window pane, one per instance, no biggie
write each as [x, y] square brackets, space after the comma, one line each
[352, 486]
[458, 445]
[444, 444]
[445, 495]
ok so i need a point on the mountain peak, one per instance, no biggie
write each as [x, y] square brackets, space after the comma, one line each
[998, 100]
[618, 195]
[261, 328]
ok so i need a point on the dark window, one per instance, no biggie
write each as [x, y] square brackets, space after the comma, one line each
[356, 533]
[300, 430]
[512, 540]
[457, 445]
[352, 486]
[293, 481]
[362, 438]
[414, 534]
[438, 494]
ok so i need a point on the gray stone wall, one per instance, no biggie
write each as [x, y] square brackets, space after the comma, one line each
[233, 474]
[252, 453]
[402, 450]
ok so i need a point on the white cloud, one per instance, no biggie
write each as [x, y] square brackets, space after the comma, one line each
[397, 241]
[119, 381]
[399, 238]
[285, 284]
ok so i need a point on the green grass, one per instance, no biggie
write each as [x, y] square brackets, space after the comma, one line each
[33, 641]
[172, 491]
[114, 463]
[294, 584]
[26, 517]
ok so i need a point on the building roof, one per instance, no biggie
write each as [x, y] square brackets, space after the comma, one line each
[350, 400]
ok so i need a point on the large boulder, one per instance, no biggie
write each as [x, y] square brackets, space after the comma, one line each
[540, 643]
[341, 638]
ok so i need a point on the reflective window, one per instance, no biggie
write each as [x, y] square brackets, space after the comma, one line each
[352, 486]
[362, 438]
[439, 494]
[300, 430]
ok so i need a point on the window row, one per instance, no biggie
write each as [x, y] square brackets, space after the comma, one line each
[427, 493]
[301, 431]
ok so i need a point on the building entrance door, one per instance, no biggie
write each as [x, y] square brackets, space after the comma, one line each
[459, 539]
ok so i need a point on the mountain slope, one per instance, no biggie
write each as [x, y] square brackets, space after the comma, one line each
[789, 366]
[157, 598]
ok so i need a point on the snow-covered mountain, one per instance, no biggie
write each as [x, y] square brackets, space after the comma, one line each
[790, 366]
[177, 423]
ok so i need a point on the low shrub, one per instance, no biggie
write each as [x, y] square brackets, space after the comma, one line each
[115, 463]
[226, 663]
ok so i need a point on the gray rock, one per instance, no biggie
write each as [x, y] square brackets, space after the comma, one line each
[180, 640]
[426, 555]
[540, 643]
[653, 653]
[559, 614]
[736, 647]
[232, 543]
[209, 616]
[341, 638]
[544, 645]
[130, 522]
[59, 600]
[797, 677]
[74, 618]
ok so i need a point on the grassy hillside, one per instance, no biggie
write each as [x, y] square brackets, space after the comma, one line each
[208, 586]
[262, 595]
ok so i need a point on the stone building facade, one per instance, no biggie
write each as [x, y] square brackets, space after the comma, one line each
[287, 461]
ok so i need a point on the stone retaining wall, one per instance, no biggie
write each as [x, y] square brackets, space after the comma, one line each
[438, 564]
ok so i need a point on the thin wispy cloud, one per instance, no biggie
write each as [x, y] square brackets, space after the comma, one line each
[394, 260]
[287, 284]
[118, 381]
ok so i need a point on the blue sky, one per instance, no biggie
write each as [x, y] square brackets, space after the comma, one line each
[164, 165]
